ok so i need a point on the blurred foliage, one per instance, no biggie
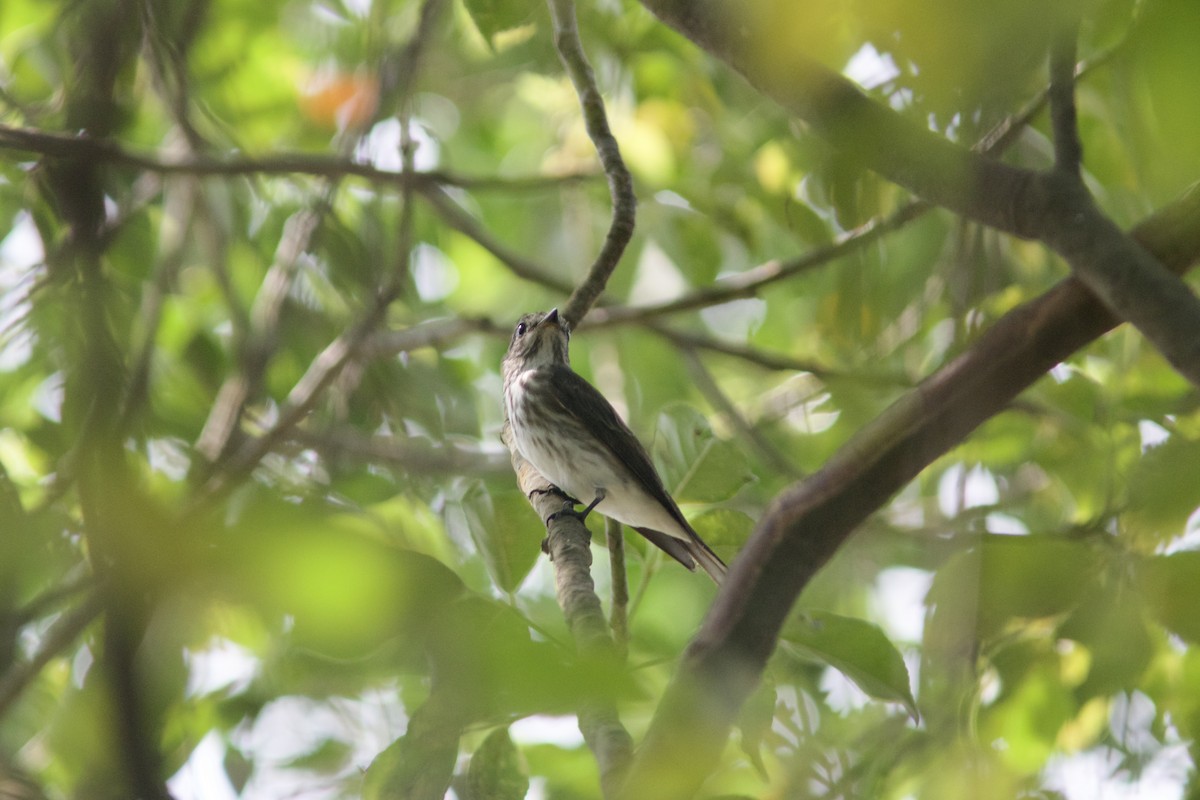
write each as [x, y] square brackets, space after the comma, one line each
[362, 582]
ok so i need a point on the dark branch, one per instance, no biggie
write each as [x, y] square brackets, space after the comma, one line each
[1068, 151]
[61, 145]
[61, 635]
[453, 215]
[750, 282]
[620, 184]
[808, 522]
[1051, 207]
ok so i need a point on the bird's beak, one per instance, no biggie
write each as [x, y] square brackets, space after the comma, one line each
[552, 317]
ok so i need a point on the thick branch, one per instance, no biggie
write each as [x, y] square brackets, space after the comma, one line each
[757, 39]
[748, 283]
[808, 522]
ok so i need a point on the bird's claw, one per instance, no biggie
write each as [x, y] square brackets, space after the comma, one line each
[568, 510]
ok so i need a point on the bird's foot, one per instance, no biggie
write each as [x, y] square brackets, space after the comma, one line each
[568, 510]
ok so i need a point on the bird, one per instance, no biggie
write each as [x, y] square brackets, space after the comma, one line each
[572, 435]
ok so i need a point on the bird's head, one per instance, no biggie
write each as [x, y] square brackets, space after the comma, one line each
[540, 339]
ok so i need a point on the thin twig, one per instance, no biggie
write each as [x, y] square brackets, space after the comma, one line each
[712, 391]
[428, 333]
[773, 361]
[219, 430]
[30, 140]
[412, 455]
[747, 284]
[454, 216]
[1068, 151]
[619, 617]
[58, 638]
[620, 184]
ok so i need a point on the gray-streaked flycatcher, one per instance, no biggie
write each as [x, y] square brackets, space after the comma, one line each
[566, 429]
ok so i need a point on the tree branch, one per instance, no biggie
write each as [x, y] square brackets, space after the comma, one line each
[428, 333]
[61, 635]
[750, 282]
[756, 40]
[717, 398]
[410, 455]
[619, 619]
[620, 184]
[774, 361]
[568, 543]
[61, 145]
[1068, 151]
[808, 522]
[220, 429]
[453, 215]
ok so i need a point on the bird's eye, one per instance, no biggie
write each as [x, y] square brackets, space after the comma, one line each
[520, 329]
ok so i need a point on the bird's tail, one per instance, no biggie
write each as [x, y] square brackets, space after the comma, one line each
[689, 553]
[709, 560]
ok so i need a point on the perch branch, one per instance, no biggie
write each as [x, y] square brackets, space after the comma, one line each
[568, 543]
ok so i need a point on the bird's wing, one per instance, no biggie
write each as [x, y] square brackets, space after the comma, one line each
[581, 400]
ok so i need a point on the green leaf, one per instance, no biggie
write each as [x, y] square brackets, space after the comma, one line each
[723, 529]
[857, 649]
[496, 16]
[697, 467]
[504, 530]
[1030, 718]
[1164, 490]
[330, 755]
[1111, 623]
[238, 768]
[496, 771]
[1013, 578]
[755, 720]
[1168, 587]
